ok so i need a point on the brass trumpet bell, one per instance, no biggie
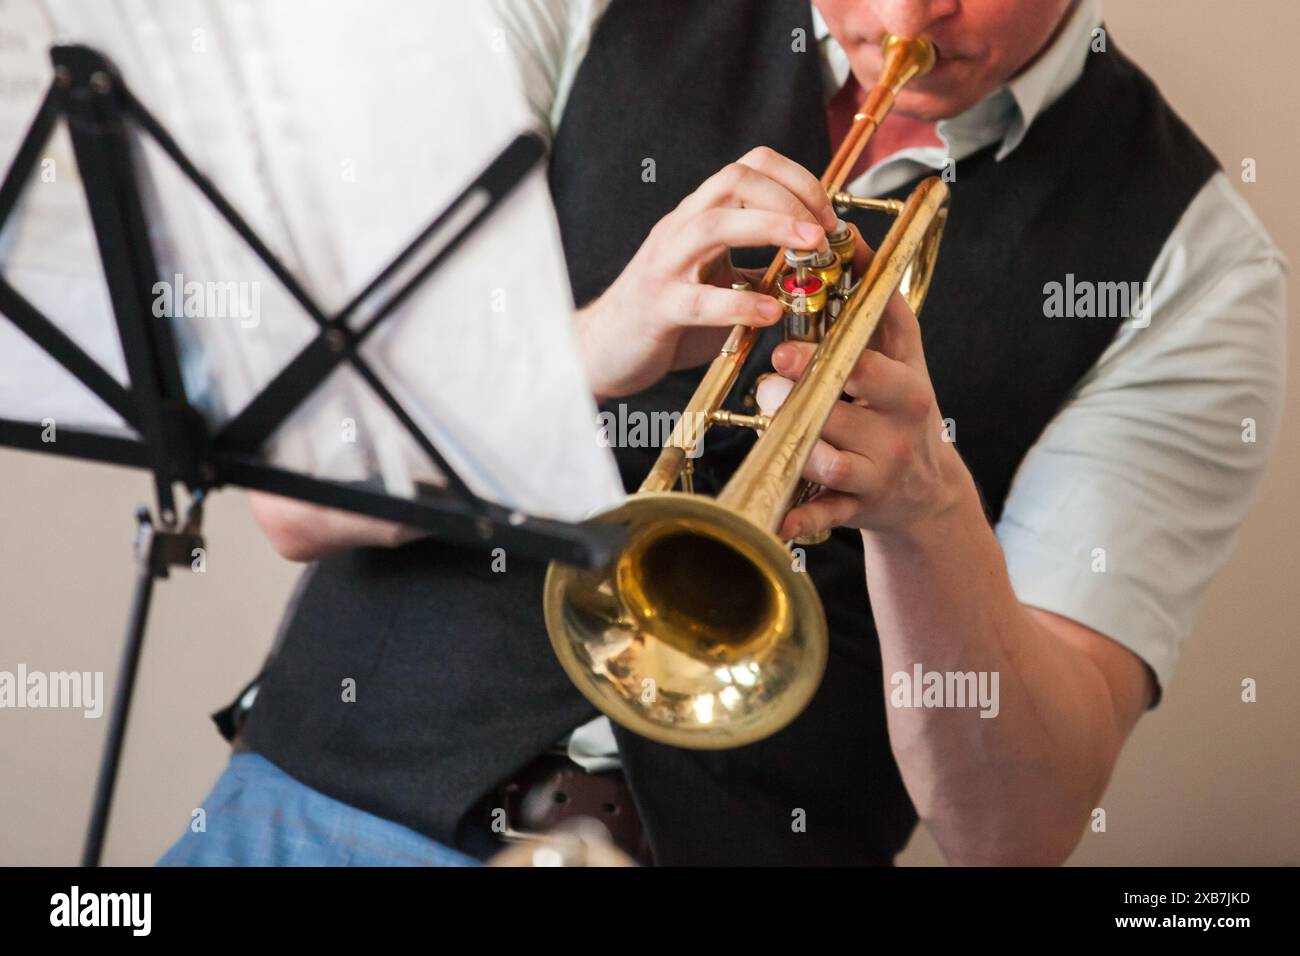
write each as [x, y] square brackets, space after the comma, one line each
[700, 634]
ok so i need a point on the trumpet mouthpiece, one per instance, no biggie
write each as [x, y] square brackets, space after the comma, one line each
[905, 59]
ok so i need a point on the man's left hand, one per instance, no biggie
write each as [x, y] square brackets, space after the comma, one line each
[884, 456]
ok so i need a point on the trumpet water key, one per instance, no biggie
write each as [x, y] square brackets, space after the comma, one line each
[702, 632]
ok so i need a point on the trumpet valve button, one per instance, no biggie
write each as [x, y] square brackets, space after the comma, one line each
[810, 285]
[803, 295]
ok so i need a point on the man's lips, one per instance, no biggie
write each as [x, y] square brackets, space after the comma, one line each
[944, 64]
[944, 52]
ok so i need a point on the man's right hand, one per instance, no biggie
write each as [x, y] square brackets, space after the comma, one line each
[671, 305]
[670, 308]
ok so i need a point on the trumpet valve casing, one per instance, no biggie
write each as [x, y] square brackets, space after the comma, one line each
[804, 305]
[844, 243]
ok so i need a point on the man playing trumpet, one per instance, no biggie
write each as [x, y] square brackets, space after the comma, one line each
[1013, 492]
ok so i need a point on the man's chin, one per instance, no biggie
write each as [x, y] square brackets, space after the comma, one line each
[929, 107]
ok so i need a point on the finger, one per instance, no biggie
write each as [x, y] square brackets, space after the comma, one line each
[795, 178]
[838, 469]
[876, 380]
[862, 253]
[740, 186]
[858, 430]
[771, 393]
[705, 234]
[693, 304]
[849, 427]
[899, 333]
[830, 509]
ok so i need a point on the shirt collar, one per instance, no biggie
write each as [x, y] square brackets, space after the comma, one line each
[1008, 112]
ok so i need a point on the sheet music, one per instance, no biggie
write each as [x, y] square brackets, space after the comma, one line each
[338, 130]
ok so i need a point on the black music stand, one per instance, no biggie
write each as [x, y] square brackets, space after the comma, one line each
[175, 443]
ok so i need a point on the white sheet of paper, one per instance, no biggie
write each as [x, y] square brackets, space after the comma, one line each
[338, 130]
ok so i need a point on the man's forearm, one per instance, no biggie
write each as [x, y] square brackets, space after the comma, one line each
[305, 532]
[1016, 787]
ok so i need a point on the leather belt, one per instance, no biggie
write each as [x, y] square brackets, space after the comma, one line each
[553, 789]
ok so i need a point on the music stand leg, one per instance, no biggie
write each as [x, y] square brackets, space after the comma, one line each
[112, 753]
[157, 550]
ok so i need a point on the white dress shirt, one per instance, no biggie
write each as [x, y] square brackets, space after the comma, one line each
[337, 162]
[1150, 467]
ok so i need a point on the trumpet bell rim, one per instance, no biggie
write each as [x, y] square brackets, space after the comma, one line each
[697, 682]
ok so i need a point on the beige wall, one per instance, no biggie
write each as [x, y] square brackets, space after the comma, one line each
[1205, 779]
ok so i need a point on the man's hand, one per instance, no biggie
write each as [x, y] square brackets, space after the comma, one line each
[304, 532]
[1017, 789]
[882, 456]
[670, 308]
[671, 305]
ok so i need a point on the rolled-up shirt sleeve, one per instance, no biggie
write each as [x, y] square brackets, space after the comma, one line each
[545, 42]
[1129, 502]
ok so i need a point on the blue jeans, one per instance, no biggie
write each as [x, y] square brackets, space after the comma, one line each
[257, 815]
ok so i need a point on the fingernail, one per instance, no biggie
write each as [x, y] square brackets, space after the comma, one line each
[782, 357]
[810, 232]
[770, 309]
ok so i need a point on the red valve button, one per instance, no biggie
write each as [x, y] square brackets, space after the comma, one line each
[811, 285]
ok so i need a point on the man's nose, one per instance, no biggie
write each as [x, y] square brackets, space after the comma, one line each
[910, 18]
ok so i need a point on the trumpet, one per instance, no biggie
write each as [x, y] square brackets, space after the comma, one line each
[704, 631]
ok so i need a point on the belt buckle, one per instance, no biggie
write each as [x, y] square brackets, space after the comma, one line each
[578, 842]
[575, 842]
[511, 835]
[509, 798]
